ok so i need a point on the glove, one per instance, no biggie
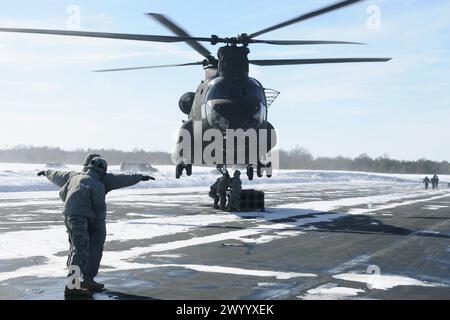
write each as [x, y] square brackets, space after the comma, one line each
[41, 173]
[147, 178]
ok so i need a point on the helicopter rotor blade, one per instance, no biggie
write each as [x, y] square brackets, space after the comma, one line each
[286, 62]
[105, 35]
[306, 16]
[302, 42]
[180, 33]
[153, 67]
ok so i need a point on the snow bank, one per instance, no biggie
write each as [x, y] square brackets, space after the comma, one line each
[22, 177]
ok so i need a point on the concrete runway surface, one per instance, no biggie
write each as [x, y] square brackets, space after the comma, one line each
[344, 240]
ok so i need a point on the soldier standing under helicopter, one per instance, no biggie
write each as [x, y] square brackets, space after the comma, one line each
[213, 193]
[234, 203]
[223, 186]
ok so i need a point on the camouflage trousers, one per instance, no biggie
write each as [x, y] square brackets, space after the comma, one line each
[86, 239]
[223, 199]
[213, 194]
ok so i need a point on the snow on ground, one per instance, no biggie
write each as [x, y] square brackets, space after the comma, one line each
[47, 242]
[383, 282]
[20, 187]
[330, 291]
[16, 177]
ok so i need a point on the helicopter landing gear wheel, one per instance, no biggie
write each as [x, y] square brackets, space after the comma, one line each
[188, 168]
[250, 172]
[260, 168]
[181, 167]
[178, 170]
[269, 170]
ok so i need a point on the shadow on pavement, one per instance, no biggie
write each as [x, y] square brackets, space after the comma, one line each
[112, 295]
[301, 219]
[358, 224]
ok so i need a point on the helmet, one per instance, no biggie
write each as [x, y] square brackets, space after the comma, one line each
[237, 173]
[99, 164]
[89, 158]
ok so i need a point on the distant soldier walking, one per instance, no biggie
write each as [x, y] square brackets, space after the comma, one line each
[436, 181]
[433, 183]
[426, 181]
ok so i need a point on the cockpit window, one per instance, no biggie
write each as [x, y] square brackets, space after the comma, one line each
[247, 91]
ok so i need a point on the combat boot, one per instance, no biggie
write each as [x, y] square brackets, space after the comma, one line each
[77, 293]
[92, 285]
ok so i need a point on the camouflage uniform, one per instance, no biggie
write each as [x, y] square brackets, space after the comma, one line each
[213, 193]
[77, 229]
[97, 238]
[96, 227]
[222, 187]
[435, 181]
[96, 231]
[236, 190]
[84, 203]
[111, 181]
[427, 182]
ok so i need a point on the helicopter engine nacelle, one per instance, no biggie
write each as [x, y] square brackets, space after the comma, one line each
[186, 102]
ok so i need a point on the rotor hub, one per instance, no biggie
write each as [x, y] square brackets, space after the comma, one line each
[242, 39]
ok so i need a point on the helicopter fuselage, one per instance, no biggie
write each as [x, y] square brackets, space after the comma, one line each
[227, 101]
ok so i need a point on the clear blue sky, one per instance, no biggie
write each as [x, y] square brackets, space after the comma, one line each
[49, 96]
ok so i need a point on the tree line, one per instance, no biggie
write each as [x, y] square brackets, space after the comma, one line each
[296, 158]
[30, 154]
[300, 158]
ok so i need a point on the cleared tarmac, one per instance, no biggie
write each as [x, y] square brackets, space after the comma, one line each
[365, 240]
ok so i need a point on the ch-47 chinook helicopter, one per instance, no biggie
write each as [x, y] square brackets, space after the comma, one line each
[227, 99]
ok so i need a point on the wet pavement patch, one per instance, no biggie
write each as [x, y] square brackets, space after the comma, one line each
[15, 264]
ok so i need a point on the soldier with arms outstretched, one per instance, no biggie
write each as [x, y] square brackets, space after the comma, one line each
[83, 194]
